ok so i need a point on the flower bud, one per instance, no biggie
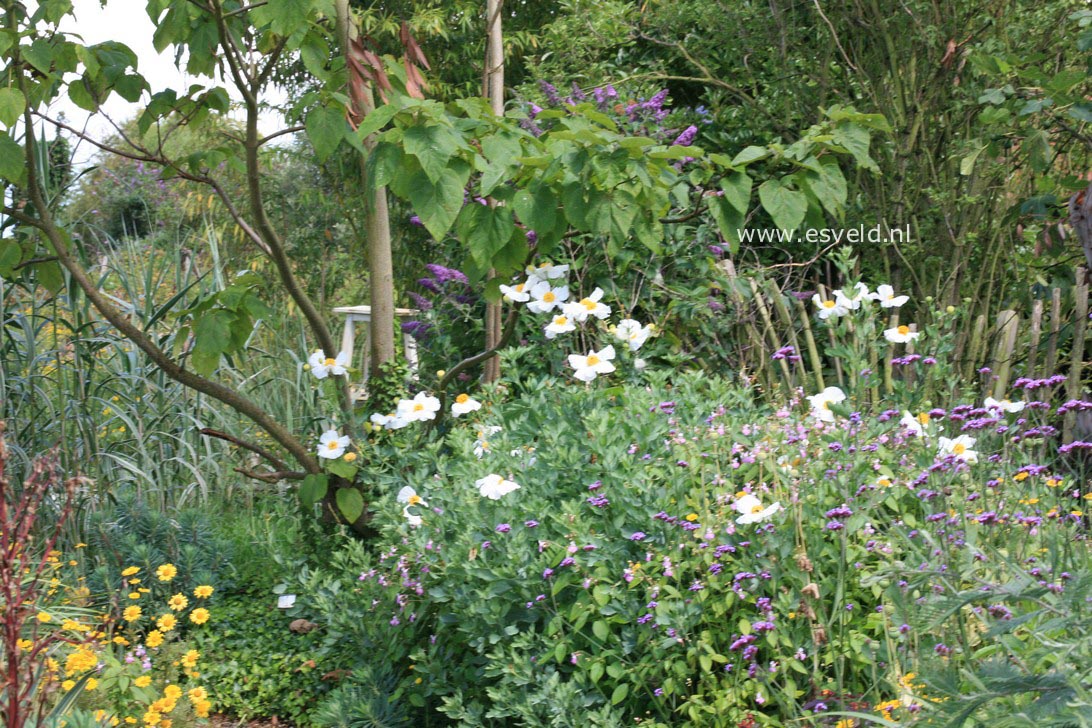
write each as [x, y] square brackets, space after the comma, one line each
[440, 373]
[950, 309]
[351, 456]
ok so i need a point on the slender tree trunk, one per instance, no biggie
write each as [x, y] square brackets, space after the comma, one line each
[494, 91]
[378, 226]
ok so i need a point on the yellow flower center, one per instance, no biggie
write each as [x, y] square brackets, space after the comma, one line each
[923, 418]
[904, 330]
[519, 288]
[561, 321]
[414, 500]
[756, 508]
[331, 445]
[959, 448]
[549, 297]
[828, 304]
[588, 304]
[884, 482]
[418, 407]
[463, 398]
[330, 362]
[593, 360]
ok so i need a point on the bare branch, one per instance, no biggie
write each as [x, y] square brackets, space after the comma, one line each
[256, 449]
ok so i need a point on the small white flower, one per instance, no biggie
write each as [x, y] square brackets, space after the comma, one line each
[885, 294]
[481, 445]
[463, 404]
[1004, 405]
[900, 334]
[632, 333]
[322, 365]
[830, 306]
[413, 520]
[820, 403]
[409, 497]
[580, 310]
[960, 447]
[331, 445]
[752, 510]
[546, 297]
[390, 422]
[495, 487]
[559, 325]
[854, 298]
[915, 425]
[422, 407]
[590, 366]
[519, 293]
[639, 364]
[546, 272]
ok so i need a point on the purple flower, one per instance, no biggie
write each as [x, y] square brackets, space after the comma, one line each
[686, 138]
[550, 92]
[531, 524]
[638, 536]
[503, 528]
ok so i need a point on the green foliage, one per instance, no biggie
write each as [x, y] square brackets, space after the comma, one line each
[259, 666]
[362, 700]
[128, 532]
[222, 323]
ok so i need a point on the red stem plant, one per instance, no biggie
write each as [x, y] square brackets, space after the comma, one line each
[24, 560]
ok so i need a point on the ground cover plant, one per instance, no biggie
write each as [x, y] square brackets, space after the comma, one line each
[674, 450]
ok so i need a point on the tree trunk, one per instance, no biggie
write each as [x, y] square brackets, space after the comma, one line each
[494, 91]
[378, 224]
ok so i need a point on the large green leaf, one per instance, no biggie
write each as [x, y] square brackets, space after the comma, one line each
[537, 208]
[12, 160]
[827, 186]
[12, 104]
[855, 140]
[212, 338]
[737, 190]
[433, 145]
[313, 489]
[438, 202]
[729, 220]
[786, 206]
[326, 127]
[351, 503]
[485, 230]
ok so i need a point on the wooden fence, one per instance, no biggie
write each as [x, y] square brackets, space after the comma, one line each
[1049, 339]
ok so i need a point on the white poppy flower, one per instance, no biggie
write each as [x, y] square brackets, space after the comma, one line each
[559, 325]
[422, 407]
[391, 421]
[322, 365]
[546, 272]
[960, 447]
[592, 365]
[830, 306]
[900, 334]
[519, 293]
[1004, 405]
[409, 496]
[820, 403]
[481, 445]
[463, 404]
[632, 333]
[915, 425]
[751, 509]
[855, 297]
[495, 487]
[885, 294]
[331, 445]
[590, 306]
[546, 297]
